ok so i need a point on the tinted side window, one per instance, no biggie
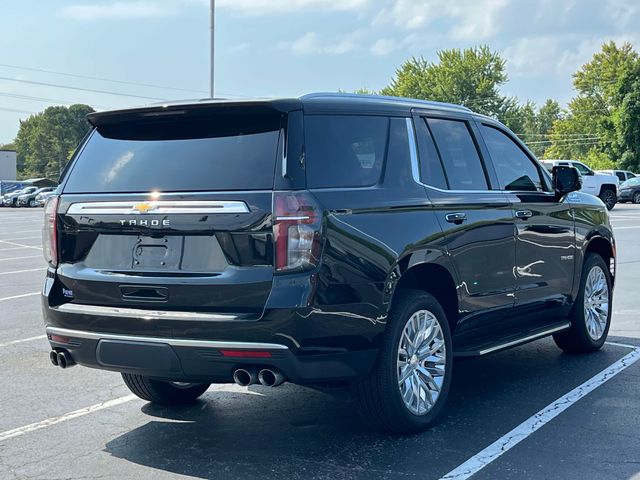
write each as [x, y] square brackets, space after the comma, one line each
[516, 171]
[620, 176]
[431, 170]
[344, 151]
[631, 175]
[581, 168]
[459, 154]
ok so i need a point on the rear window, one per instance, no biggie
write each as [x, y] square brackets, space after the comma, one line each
[344, 151]
[233, 152]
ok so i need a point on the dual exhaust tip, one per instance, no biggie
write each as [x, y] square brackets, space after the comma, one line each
[61, 358]
[250, 376]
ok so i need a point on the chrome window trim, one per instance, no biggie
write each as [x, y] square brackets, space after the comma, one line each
[176, 342]
[159, 207]
[415, 169]
[124, 312]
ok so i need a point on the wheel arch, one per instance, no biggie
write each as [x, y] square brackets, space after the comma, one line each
[436, 278]
[605, 248]
[607, 186]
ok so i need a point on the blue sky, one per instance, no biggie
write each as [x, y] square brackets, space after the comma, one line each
[285, 47]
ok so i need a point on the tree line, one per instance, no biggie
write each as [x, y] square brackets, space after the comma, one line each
[600, 125]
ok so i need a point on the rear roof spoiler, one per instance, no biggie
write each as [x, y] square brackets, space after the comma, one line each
[192, 109]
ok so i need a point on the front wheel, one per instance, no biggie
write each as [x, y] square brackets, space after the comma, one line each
[408, 387]
[32, 202]
[609, 198]
[162, 392]
[591, 314]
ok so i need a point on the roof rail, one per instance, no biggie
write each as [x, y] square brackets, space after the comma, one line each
[405, 100]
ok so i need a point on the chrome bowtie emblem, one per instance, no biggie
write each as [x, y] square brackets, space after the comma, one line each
[144, 207]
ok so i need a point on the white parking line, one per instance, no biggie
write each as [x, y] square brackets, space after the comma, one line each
[625, 228]
[16, 432]
[21, 245]
[28, 231]
[23, 271]
[19, 258]
[19, 296]
[20, 238]
[548, 413]
[22, 340]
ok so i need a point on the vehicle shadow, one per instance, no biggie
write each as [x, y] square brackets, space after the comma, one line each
[301, 433]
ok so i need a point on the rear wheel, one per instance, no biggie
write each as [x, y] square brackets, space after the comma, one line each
[609, 198]
[164, 393]
[408, 387]
[591, 314]
[636, 197]
[32, 202]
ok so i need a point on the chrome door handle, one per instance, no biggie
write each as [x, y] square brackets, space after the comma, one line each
[524, 214]
[456, 218]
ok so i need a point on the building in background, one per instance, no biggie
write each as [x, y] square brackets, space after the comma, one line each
[7, 165]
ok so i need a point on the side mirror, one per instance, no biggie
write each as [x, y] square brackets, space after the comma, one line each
[566, 180]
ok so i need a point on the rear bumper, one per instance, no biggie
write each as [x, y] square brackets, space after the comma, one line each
[203, 360]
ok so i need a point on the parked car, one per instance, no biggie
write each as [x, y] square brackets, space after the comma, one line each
[601, 185]
[623, 175]
[326, 240]
[11, 199]
[41, 198]
[630, 191]
[29, 199]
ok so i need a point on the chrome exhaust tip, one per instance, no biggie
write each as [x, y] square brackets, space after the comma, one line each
[53, 356]
[245, 377]
[270, 378]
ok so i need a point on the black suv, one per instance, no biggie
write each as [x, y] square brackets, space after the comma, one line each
[326, 240]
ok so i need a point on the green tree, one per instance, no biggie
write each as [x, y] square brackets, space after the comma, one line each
[469, 77]
[592, 129]
[45, 139]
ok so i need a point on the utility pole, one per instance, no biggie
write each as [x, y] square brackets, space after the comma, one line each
[213, 36]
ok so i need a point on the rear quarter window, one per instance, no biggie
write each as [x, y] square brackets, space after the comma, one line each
[344, 151]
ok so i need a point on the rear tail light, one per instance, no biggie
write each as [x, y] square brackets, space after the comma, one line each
[50, 231]
[297, 231]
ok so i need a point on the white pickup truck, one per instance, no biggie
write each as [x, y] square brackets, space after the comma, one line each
[602, 185]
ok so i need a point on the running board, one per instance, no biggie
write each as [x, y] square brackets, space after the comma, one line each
[504, 343]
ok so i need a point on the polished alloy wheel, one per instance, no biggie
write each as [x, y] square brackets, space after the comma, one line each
[596, 303]
[421, 362]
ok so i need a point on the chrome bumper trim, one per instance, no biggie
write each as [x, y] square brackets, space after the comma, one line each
[141, 313]
[175, 342]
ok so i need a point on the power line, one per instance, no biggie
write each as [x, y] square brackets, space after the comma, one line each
[101, 79]
[81, 89]
[43, 99]
[16, 111]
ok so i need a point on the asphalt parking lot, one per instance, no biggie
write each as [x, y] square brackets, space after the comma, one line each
[530, 412]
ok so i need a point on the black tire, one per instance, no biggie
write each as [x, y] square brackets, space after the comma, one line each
[161, 392]
[609, 198]
[32, 203]
[636, 197]
[378, 397]
[577, 338]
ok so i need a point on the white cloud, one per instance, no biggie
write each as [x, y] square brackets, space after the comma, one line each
[263, 7]
[472, 19]
[312, 43]
[115, 10]
[621, 12]
[555, 55]
[384, 46]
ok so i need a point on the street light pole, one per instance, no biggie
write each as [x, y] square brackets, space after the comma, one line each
[213, 22]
